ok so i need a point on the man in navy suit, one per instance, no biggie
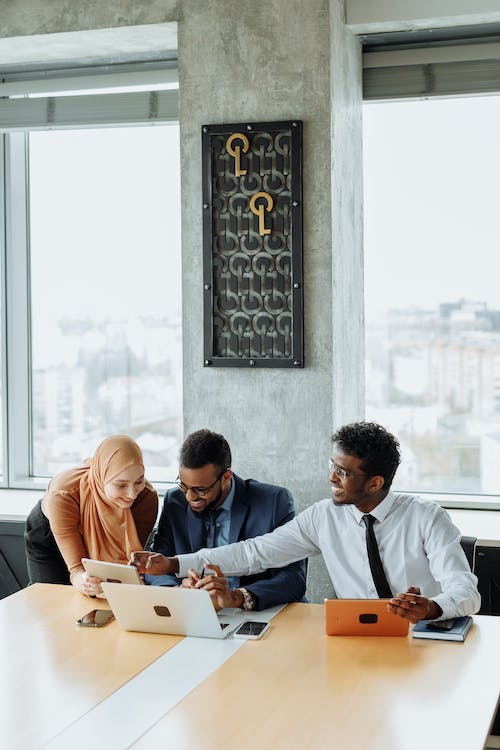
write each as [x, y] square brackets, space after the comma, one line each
[212, 507]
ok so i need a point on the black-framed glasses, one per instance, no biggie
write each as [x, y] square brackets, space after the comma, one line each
[343, 473]
[201, 491]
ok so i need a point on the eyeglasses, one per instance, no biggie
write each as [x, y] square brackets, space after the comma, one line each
[201, 491]
[343, 473]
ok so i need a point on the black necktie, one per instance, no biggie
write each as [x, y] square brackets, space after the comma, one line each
[209, 517]
[376, 567]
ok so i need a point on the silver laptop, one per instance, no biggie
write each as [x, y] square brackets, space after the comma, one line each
[166, 609]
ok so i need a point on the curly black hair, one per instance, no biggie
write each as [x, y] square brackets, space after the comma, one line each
[205, 447]
[374, 445]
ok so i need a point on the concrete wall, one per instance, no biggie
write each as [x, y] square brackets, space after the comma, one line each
[277, 60]
[268, 65]
[369, 16]
[31, 17]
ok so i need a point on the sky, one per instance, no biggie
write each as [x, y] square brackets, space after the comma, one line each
[432, 218]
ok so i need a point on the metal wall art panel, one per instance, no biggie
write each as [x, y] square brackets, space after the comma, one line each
[252, 244]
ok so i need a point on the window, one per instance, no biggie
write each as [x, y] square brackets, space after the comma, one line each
[431, 288]
[93, 284]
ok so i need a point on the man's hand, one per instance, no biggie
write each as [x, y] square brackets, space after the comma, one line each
[217, 587]
[154, 563]
[190, 582]
[414, 607]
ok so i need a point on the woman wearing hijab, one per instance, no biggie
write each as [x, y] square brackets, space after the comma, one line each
[102, 510]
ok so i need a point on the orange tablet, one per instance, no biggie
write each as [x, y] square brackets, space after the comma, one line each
[362, 617]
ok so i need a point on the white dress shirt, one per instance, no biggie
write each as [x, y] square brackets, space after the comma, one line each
[418, 543]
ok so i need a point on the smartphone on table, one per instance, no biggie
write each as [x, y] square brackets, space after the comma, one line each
[97, 618]
[251, 629]
[440, 625]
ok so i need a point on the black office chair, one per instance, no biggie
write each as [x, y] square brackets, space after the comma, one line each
[469, 547]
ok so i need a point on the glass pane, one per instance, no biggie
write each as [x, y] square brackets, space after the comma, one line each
[1, 393]
[431, 273]
[105, 294]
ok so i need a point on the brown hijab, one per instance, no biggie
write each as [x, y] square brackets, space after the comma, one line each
[109, 531]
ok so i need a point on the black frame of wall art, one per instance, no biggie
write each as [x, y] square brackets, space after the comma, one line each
[252, 245]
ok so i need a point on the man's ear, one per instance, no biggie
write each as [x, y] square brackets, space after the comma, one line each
[375, 483]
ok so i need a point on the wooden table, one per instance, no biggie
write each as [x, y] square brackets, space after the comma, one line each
[296, 688]
[52, 670]
[299, 689]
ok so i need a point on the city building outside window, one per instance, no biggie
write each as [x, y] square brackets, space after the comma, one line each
[105, 294]
[431, 288]
[91, 270]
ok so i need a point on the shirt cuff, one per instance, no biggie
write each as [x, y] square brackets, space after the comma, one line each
[189, 561]
[446, 605]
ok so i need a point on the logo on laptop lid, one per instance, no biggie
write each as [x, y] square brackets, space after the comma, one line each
[161, 610]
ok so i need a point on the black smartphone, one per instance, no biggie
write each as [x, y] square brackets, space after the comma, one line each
[251, 629]
[96, 618]
[438, 625]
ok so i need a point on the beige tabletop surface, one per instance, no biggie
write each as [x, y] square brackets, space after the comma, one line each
[297, 688]
[54, 671]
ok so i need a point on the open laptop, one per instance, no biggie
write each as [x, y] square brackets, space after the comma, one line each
[171, 610]
[362, 617]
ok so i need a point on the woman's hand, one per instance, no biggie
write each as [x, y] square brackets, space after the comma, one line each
[86, 584]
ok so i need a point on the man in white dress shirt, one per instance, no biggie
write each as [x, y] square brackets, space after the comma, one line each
[425, 574]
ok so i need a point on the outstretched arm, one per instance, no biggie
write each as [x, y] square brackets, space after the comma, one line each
[286, 544]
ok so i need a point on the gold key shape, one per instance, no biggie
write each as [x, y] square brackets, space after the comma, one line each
[259, 210]
[236, 151]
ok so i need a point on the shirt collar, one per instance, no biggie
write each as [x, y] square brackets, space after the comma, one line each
[228, 502]
[380, 512]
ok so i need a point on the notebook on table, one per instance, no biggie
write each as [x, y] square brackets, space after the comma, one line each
[171, 610]
[362, 617]
[443, 630]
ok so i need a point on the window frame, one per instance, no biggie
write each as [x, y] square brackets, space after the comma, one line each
[18, 117]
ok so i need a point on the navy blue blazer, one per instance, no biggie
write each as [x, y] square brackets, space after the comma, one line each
[257, 508]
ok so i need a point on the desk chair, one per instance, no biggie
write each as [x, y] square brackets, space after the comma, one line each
[13, 570]
[469, 547]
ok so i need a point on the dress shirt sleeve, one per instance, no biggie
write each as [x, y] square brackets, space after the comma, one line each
[449, 566]
[280, 585]
[293, 541]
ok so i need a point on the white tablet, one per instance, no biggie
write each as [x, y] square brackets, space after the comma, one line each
[111, 572]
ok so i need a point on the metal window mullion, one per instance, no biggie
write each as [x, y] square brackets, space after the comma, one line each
[17, 305]
[3, 319]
